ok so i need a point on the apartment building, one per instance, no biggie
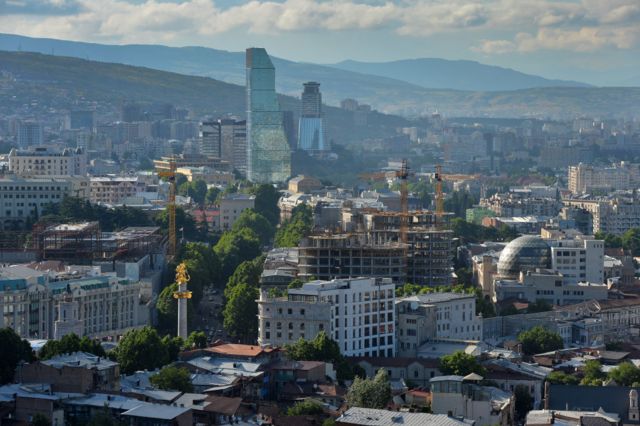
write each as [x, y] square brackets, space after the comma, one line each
[585, 178]
[21, 198]
[113, 189]
[578, 260]
[612, 216]
[46, 161]
[358, 313]
[232, 206]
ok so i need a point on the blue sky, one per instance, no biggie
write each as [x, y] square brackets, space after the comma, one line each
[589, 40]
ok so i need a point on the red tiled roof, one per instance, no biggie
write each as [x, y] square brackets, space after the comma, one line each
[236, 349]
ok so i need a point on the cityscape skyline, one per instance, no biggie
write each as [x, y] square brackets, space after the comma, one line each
[583, 40]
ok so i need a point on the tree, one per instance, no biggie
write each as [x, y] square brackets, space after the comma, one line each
[241, 312]
[212, 195]
[173, 378]
[631, 241]
[625, 374]
[484, 305]
[235, 247]
[294, 229]
[306, 407]
[370, 393]
[593, 375]
[266, 202]
[173, 346]
[141, 349]
[40, 419]
[257, 223]
[196, 340]
[460, 363]
[70, 343]
[524, 401]
[248, 272]
[13, 349]
[562, 378]
[538, 340]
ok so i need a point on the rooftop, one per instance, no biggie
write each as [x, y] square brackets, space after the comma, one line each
[156, 411]
[373, 417]
[80, 359]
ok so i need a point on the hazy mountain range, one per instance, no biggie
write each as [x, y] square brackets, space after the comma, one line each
[400, 87]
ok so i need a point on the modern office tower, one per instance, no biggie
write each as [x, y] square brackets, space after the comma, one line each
[311, 128]
[210, 138]
[80, 119]
[290, 129]
[268, 154]
[239, 156]
[30, 133]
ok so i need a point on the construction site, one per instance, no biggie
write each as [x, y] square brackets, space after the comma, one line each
[407, 246]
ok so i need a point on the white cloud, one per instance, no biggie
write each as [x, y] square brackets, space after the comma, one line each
[523, 25]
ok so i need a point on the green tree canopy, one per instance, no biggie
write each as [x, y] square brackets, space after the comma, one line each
[370, 393]
[241, 312]
[71, 343]
[212, 195]
[248, 272]
[40, 419]
[13, 349]
[322, 348]
[460, 364]
[294, 229]
[141, 349]
[562, 378]
[524, 401]
[196, 340]
[306, 407]
[267, 202]
[539, 339]
[625, 374]
[593, 374]
[233, 248]
[172, 378]
[257, 223]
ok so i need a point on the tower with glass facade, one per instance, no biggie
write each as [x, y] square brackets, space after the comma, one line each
[268, 153]
[311, 126]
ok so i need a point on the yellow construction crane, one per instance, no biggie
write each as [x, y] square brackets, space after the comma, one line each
[439, 177]
[171, 205]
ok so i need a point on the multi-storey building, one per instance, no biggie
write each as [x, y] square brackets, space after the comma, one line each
[44, 161]
[269, 156]
[209, 136]
[612, 216]
[80, 119]
[232, 206]
[357, 313]
[37, 305]
[112, 189]
[578, 260]
[30, 133]
[521, 203]
[21, 198]
[311, 135]
[588, 179]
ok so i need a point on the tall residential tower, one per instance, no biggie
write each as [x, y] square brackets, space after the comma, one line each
[268, 153]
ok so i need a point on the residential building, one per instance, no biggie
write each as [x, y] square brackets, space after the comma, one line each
[210, 138]
[304, 184]
[22, 197]
[357, 416]
[77, 372]
[311, 134]
[417, 370]
[232, 206]
[578, 260]
[112, 189]
[357, 313]
[588, 179]
[611, 216]
[463, 396]
[208, 175]
[30, 133]
[45, 161]
[268, 153]
[442, 315]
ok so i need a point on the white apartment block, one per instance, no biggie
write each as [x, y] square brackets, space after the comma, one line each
[232, 206]
[45, 161]
[578, 260]
[358, 313]
[615, 216]
[586, 178]
[455, 315]
[112, 189]
[21, 198]
[99, 306]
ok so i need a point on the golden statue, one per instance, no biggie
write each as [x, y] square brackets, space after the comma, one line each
[182, 276]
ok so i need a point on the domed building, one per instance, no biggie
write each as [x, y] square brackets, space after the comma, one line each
[525, 253]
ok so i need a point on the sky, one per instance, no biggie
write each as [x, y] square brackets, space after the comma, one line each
[595, 41]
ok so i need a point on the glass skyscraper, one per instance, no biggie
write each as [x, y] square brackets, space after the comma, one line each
[268, 153]
[311, 126]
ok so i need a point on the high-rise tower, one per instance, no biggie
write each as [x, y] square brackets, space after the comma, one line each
[268, 154]
[311, 126]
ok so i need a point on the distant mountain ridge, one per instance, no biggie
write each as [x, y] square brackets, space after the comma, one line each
[373, 84]
[434, 73]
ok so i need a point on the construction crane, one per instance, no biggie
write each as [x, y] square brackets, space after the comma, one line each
[171, 205]
[403, 175]
[439, 177]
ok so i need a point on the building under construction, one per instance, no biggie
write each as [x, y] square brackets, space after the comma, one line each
[375, 249]
[83, 243]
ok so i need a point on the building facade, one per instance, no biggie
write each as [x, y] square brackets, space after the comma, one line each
[358, 313]
[21, 198]
[44, 161]
[585, 178]
[232, 206]
[268, 153]
[112, 189]
[30, 133]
